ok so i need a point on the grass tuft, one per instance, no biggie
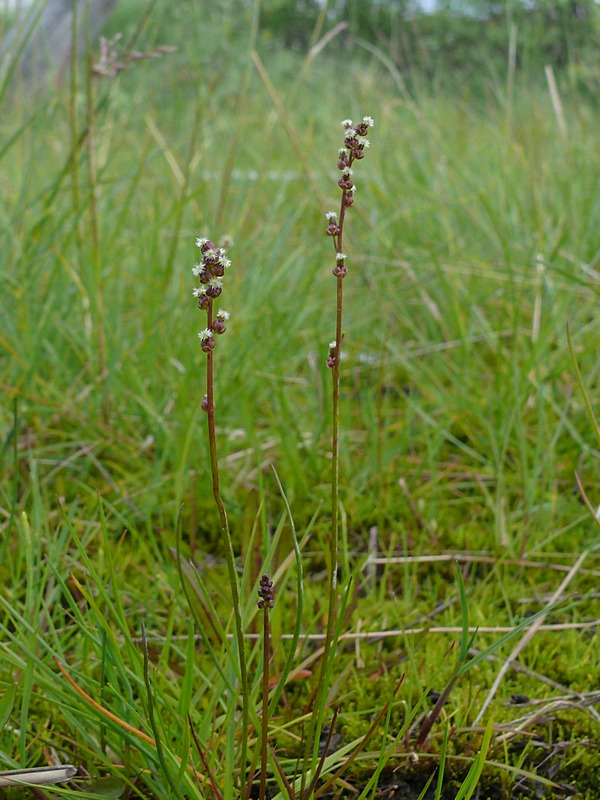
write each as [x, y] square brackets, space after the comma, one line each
[465, 413]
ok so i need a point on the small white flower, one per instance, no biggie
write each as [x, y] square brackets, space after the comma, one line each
[331, 216]
[347, 172]
[216, 283]
[363, 141]
[332, 345]
[352, 189]
[369, 121]
[199, 291]
[205, 335]
[340, 257]
[225, 262]
[197, 269]
[211, 254]
[343, 152]
[222, 314]
[346, 123]
[200, 242]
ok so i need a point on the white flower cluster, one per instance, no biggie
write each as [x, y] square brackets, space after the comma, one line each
[210, 272]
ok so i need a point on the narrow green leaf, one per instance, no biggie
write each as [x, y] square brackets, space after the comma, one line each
[470, 783]
[464, 610]
[7, 702]
[586, 397]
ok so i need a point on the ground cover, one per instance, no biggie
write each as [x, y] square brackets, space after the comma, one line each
[473, 242]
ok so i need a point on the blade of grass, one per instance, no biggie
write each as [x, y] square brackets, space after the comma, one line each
[584, 392]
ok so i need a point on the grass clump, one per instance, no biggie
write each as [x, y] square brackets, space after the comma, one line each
[462, 428]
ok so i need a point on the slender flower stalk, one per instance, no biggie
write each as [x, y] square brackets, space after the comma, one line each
[210, 272]
[266, 603]
[356, 143]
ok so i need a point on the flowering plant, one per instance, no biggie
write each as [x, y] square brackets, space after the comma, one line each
[356, 143]
[210, 273]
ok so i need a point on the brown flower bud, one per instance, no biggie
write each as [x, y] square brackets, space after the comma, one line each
[266, 592]
[207, 344]
[213, 291]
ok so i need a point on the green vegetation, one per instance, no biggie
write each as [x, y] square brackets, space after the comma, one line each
[472, 243]
[472, 37]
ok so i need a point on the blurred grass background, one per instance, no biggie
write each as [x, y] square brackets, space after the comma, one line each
[473, 241]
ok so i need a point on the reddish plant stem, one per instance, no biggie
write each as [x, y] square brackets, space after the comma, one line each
[332, 606]
[229, 554]
[335, 445]
[265, 704]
